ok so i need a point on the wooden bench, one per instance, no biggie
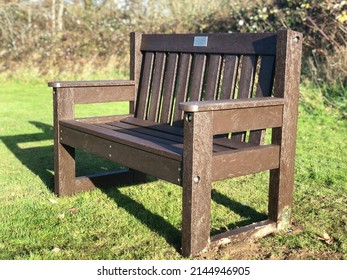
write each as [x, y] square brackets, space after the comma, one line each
[199, 107]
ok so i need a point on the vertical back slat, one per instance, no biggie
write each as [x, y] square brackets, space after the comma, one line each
[183, 74]
[157, 83]
[264, 89]
[248, 70]
[146, 77]
[213, 74]
[135, 64]
[229, 76]
[169, 88]
[198, 77]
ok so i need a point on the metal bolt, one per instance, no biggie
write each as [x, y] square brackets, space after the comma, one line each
[179, 180]
[296, 39]
[189, 117]
[196, 179]
[179, 168]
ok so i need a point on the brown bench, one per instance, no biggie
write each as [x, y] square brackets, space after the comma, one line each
[199, 107]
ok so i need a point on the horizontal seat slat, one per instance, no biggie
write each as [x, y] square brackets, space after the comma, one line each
[147, 131]
[155, 126]
[140, 135]
[148, 162]
[130, 140]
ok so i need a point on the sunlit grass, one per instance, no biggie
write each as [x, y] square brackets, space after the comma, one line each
[144, 221]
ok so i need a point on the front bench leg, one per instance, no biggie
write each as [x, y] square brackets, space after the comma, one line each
[64, 156]
[196, 183]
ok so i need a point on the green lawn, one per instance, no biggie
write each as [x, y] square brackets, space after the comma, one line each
[143, 221]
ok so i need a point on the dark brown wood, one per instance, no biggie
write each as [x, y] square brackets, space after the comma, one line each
[234, 43]
[213, 75]
[155, 126]
[169, 87]
[198, 77]
[145, 84]
[85, 95]
[149, 131]
[146, 161]
[166, 71]
[182, 85]
[264, 89]
[136, 142]
[234, 163]
[288, 62]
[103, 119]
[197, 178]
[135, 64]
[218, 105]
[100, 83]
[229, 76]
[247, 119]
[248, 70]
[157, 84]
[255, 230]
[64, 156]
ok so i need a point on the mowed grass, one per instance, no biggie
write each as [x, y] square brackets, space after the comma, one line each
[143, 221]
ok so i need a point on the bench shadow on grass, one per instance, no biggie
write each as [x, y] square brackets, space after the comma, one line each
[39, 160]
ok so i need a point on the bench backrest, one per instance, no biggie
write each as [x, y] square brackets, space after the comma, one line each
[170, 69]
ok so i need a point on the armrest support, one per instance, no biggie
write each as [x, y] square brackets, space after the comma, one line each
[100, 83]
[218, 105]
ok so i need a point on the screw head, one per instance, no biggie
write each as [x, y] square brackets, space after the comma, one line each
[196, 179]
[189, 117]
[296, 39]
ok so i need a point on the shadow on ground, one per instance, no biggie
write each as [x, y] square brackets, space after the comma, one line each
[39, 160]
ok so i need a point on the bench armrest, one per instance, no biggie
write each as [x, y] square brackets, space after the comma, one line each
[217, 105]
[100, 83]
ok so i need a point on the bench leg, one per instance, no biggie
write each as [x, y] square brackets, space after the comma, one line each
[197, 159]
[64, 170]
[196, 219]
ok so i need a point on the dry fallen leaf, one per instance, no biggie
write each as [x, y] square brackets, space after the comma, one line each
[73, 210]
[53, 201]
[56, 250]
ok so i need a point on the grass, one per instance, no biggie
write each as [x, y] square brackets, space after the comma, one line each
[143, 222]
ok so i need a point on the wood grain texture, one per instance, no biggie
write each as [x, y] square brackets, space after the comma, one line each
[288, 63]
[125, 139]
[213, 75]
[218, 105]
[145, 86]
[230, 164]
[64, 155]
[246, 119]
[197, 81]
[135, 64]
[197, 178]
[147, 162]
[169, 88]
[85, 95]
[230, 43]
[182, 85]
[229, 77]
[264, 89]
[99, 83]
[157, 86]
